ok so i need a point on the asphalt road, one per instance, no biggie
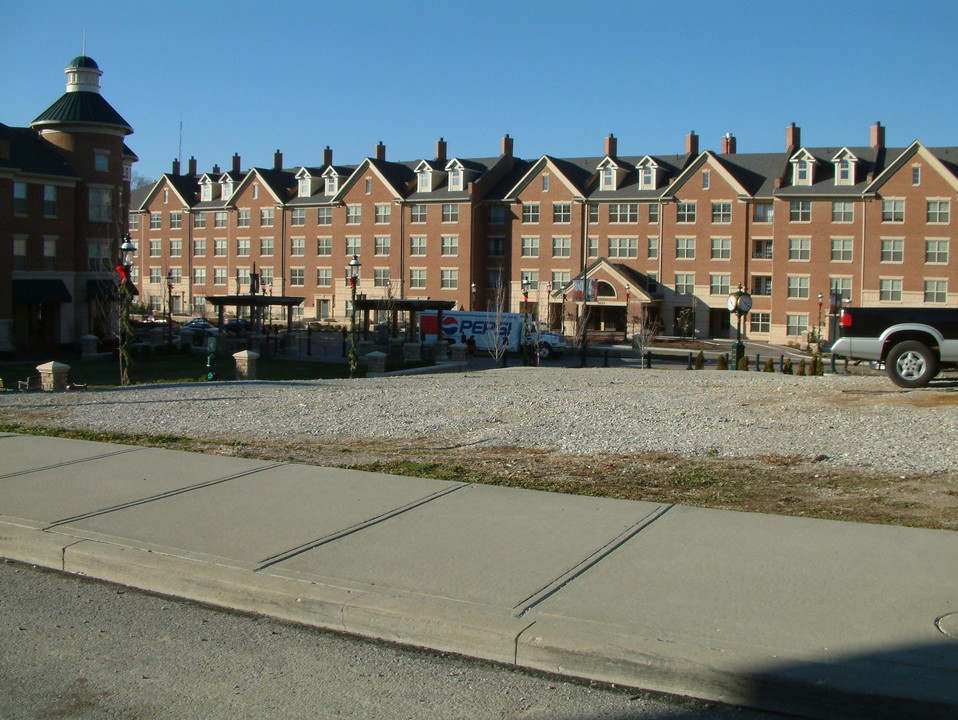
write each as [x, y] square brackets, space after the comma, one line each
[73, 648]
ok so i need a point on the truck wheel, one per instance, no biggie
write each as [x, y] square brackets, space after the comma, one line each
[911, 364]
[545, 351]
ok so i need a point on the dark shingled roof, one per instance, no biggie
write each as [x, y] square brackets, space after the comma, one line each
[82, 106]
[29, 153]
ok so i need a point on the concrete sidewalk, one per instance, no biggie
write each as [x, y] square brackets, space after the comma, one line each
[817, 618]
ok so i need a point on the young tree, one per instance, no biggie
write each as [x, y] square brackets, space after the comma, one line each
[495, 311]
[647, 326]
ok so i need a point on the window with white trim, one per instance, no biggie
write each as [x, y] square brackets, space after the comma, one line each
[100, 205]
[760, 322]
[623, 247]
[219, 219]
[719, 283]
[176, 247]
[324, 216]
[354, 214]
[449, 278]
[324, 246]
[383, 213]
[324, 277]
[561, 246]
[796, 324]
[800, 211]
[892, 250]
[219, 276]
[893, 210]
[936, 251]
[297, 246]
[417, 278]
[382, 246]
[939, 211]
[685, 283]
[843, 211]
[266, 216]
[417, 213]
[266, 246]
[685, 248]
[450, 212]
[297, 277]
[530, 212]
[623, 212]
[199, 247]
[199, 275]
[561, 212]
[530, 246]
[721, 248]
[199, 221]
[761, 285]
[417, 245]
[842, 249]
[449, 245]
[242, 217]
[381, 277]
[156, 248]
[799, 248]
[722, 212]
[685, 212]
[936, 291]
[653, 246]
[798, 286]
[889, 289]
[354, 245]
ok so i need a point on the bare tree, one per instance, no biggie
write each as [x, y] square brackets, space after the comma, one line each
[495, 311]
[646, 327]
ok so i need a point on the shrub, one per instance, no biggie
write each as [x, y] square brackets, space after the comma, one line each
[743, 363]
[722, 363]
[787, 367]
[700, 361]
[802, 367]
[769, 365]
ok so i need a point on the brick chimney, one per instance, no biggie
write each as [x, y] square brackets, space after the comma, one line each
[877, 136]
[506, 147]
[216, 169]
[728, 144]
[611, 146]
[380, 151]
[440, 150]
[192, 165]
[327, 156]
[793, 138]
[176, 166]
[692, 143]
[236, 162]
[277, 160]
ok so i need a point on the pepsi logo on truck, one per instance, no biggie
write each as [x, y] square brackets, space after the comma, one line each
[490, 329]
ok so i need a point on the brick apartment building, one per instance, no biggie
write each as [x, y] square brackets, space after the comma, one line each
[662, 236]
[64, 200]
[673, 234]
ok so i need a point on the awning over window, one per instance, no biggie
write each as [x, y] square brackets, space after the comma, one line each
[102, 290]
[29, 292]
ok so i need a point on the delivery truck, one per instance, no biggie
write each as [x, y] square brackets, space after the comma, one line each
[489, 329]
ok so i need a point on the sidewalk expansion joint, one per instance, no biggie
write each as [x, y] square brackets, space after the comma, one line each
[160, 496]
[68, 463]
[589, 562]
[358, 527]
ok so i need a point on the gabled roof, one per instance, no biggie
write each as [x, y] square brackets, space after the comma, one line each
[185, 187]
[276, 182]
[621, 272]
[669, 167]
[570, 175]
[708, 158]
[393, 175]
[441, 192]
[945, 165]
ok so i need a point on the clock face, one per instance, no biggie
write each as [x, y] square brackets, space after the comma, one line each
[732, 303]
[745, 303]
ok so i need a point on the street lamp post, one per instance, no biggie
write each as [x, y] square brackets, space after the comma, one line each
[472, 296]
[818, 334]
[126, 290]
[739, 302]
[525, 318]
[353, 276]
[169, 306]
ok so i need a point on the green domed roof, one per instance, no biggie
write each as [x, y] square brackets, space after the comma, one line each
[82, 61]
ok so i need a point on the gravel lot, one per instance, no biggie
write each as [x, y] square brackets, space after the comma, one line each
[851, 421]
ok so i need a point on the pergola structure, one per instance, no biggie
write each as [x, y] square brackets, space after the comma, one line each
[394, 307]
[256, 304]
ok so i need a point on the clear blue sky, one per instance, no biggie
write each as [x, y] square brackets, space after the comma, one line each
[558, 76]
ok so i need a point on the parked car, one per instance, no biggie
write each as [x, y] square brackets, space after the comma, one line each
[199, 324]
[237, 325]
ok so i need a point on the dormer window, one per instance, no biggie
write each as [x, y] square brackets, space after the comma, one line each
[304, 187]
[331, 181]
[209, 190]
[803, 168]
[425, 181]
[455, 179]
[647, 173]
[844, 162]
[227, 188]
[608, 179]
